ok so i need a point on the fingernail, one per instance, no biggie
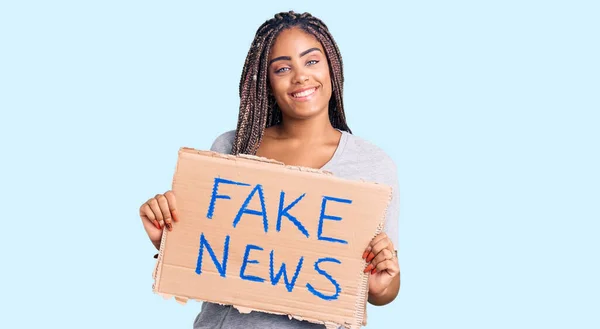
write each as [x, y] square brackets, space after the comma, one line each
[374, 270]
[174, 215]
[157, 225]
[371, 256]
[169, 226]
[364, 256]
[368, 268]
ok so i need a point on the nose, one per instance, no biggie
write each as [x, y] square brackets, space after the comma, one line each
[300, 75]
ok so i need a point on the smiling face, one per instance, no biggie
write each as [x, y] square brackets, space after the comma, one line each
[299, 75]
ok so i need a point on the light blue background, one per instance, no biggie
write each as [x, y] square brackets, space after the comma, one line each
[490, 110]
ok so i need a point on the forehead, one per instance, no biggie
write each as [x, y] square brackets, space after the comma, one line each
[293, 41]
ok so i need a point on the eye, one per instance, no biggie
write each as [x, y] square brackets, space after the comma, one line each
[312, 62]
[281, 70]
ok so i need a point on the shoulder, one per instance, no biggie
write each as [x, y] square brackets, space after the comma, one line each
[364, 160]
[223, 143]
[363, 151]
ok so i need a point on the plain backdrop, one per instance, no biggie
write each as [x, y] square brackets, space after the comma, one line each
[489, 108]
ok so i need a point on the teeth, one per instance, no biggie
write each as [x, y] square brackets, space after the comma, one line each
[304, 93]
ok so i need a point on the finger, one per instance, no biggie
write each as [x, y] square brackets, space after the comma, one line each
[153, 203]
[377, 248]
[172, 204]
[388, 265]
[373, 242]
[148, 214]
[378, 238]
[384, 255]
[166, 213]
[381, 245]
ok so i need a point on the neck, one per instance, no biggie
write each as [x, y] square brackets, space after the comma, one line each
[307, 130]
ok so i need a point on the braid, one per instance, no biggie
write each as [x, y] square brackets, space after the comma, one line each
[258, 108]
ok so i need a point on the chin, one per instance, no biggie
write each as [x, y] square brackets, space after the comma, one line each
[303, 113]
[306, 110]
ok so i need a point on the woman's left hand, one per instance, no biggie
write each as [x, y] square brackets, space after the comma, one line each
[383, 263]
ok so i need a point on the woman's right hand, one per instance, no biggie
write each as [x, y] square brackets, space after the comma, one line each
[157, 213]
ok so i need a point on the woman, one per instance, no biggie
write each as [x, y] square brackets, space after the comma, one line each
[291, 110]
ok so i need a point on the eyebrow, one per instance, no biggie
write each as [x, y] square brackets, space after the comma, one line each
[288, 58]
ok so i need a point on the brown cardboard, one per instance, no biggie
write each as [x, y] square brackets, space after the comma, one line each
[176, 274]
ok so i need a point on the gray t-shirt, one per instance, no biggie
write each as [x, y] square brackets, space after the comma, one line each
[354, 158]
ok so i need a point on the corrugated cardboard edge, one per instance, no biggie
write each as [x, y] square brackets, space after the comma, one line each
[253, 158]
[361, 303]
[360, 311]
[158, 266]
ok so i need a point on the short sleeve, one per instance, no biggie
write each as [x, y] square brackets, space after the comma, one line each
[223, 143]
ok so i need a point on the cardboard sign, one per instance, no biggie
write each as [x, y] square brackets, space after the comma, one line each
[270, 238]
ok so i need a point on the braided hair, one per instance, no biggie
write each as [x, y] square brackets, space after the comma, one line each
[258, 108]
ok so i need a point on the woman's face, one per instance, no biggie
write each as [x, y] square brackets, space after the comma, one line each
[299, 74]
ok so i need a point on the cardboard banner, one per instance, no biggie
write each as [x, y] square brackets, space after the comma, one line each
[270, 238]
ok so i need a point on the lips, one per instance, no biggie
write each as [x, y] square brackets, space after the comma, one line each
[302, 93]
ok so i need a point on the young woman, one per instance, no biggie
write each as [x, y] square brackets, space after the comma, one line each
[291, 110]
